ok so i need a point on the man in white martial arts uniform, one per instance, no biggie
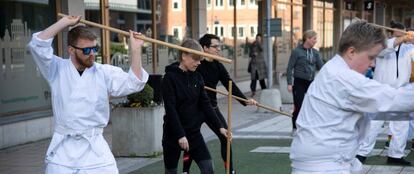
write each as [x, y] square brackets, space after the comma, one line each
[330, 120]
[80, 97]
[393, 68]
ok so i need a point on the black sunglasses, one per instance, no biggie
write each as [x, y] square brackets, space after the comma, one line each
[87, 50]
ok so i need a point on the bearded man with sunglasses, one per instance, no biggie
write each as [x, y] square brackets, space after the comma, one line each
[81, 90]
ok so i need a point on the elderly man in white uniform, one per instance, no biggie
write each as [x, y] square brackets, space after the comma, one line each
[394, 68]
[329, 123]
[80, 97]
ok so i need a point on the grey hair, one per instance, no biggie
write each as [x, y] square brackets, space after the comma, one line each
[308, 34]
[191, 44]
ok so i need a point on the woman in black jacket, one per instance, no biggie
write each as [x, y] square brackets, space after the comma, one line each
[214, 72]
[187, 107]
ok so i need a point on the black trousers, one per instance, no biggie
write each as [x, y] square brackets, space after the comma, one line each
[172, 153]
[223, 144]
[300, 87]
[254, 81]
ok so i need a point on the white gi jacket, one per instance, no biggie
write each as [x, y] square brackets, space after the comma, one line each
[386, 67]
[81, 106]
[328, 132]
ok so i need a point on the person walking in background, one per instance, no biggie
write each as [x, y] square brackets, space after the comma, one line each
[257, 66]
[303, 63]
[81, 89]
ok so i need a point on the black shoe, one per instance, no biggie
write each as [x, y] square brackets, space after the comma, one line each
[398, 161]
[361, 158]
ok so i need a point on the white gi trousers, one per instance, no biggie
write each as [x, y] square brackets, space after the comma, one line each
[411, 132]
[399, 131]
[52, 168]
[355, 167]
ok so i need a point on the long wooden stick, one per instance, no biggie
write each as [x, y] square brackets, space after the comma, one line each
[389, 28]
[229, 128]
[153, 40]
[384, 27]
[242, 99]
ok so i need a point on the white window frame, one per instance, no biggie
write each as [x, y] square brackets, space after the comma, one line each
[252, 5]
[180, 32]
[230, 31]
[209, 5]
[218, 26]
[255, 31]
[219, 7]
[244, 31]
[239, 6]
[179, 8]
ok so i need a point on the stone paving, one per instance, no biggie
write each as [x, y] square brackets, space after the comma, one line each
[247, 123]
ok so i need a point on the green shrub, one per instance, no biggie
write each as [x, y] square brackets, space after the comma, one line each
[143, 98]
[118, 48]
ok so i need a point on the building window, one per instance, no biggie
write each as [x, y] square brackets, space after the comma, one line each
[176, 5]
[252, 3]
[208, 3]
[176, 32]
[242, 2]
[241, 32]
[219, 3]
[231, 2]
[19, 21]
[219, 30]
[239, 3]
[253, 31]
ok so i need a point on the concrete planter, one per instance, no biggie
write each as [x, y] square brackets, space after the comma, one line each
[287, 97]
[137, 131]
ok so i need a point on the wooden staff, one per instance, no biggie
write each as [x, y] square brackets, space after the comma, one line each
[153, 40]
[242, 99]
[229, 128]
[384, 27]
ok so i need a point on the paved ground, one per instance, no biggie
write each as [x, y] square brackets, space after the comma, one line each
[247, 124]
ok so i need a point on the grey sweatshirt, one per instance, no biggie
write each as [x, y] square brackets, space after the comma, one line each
[303, 64]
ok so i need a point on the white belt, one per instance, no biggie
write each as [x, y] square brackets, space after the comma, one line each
[77, 134]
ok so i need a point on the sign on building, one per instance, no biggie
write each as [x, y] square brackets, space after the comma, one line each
[275, 27]
[369, 5]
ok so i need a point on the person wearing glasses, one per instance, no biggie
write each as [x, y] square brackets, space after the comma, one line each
[81, 89]
[214, 72]
[187, 106]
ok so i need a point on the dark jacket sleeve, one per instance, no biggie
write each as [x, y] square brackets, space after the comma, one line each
[208, 110]
[252, 50]
[319, 62]
[291, 64]
[171, 114]
[225, 78]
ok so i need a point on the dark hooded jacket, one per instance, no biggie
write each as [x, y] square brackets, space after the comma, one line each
[186, 104]
[212, 73]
